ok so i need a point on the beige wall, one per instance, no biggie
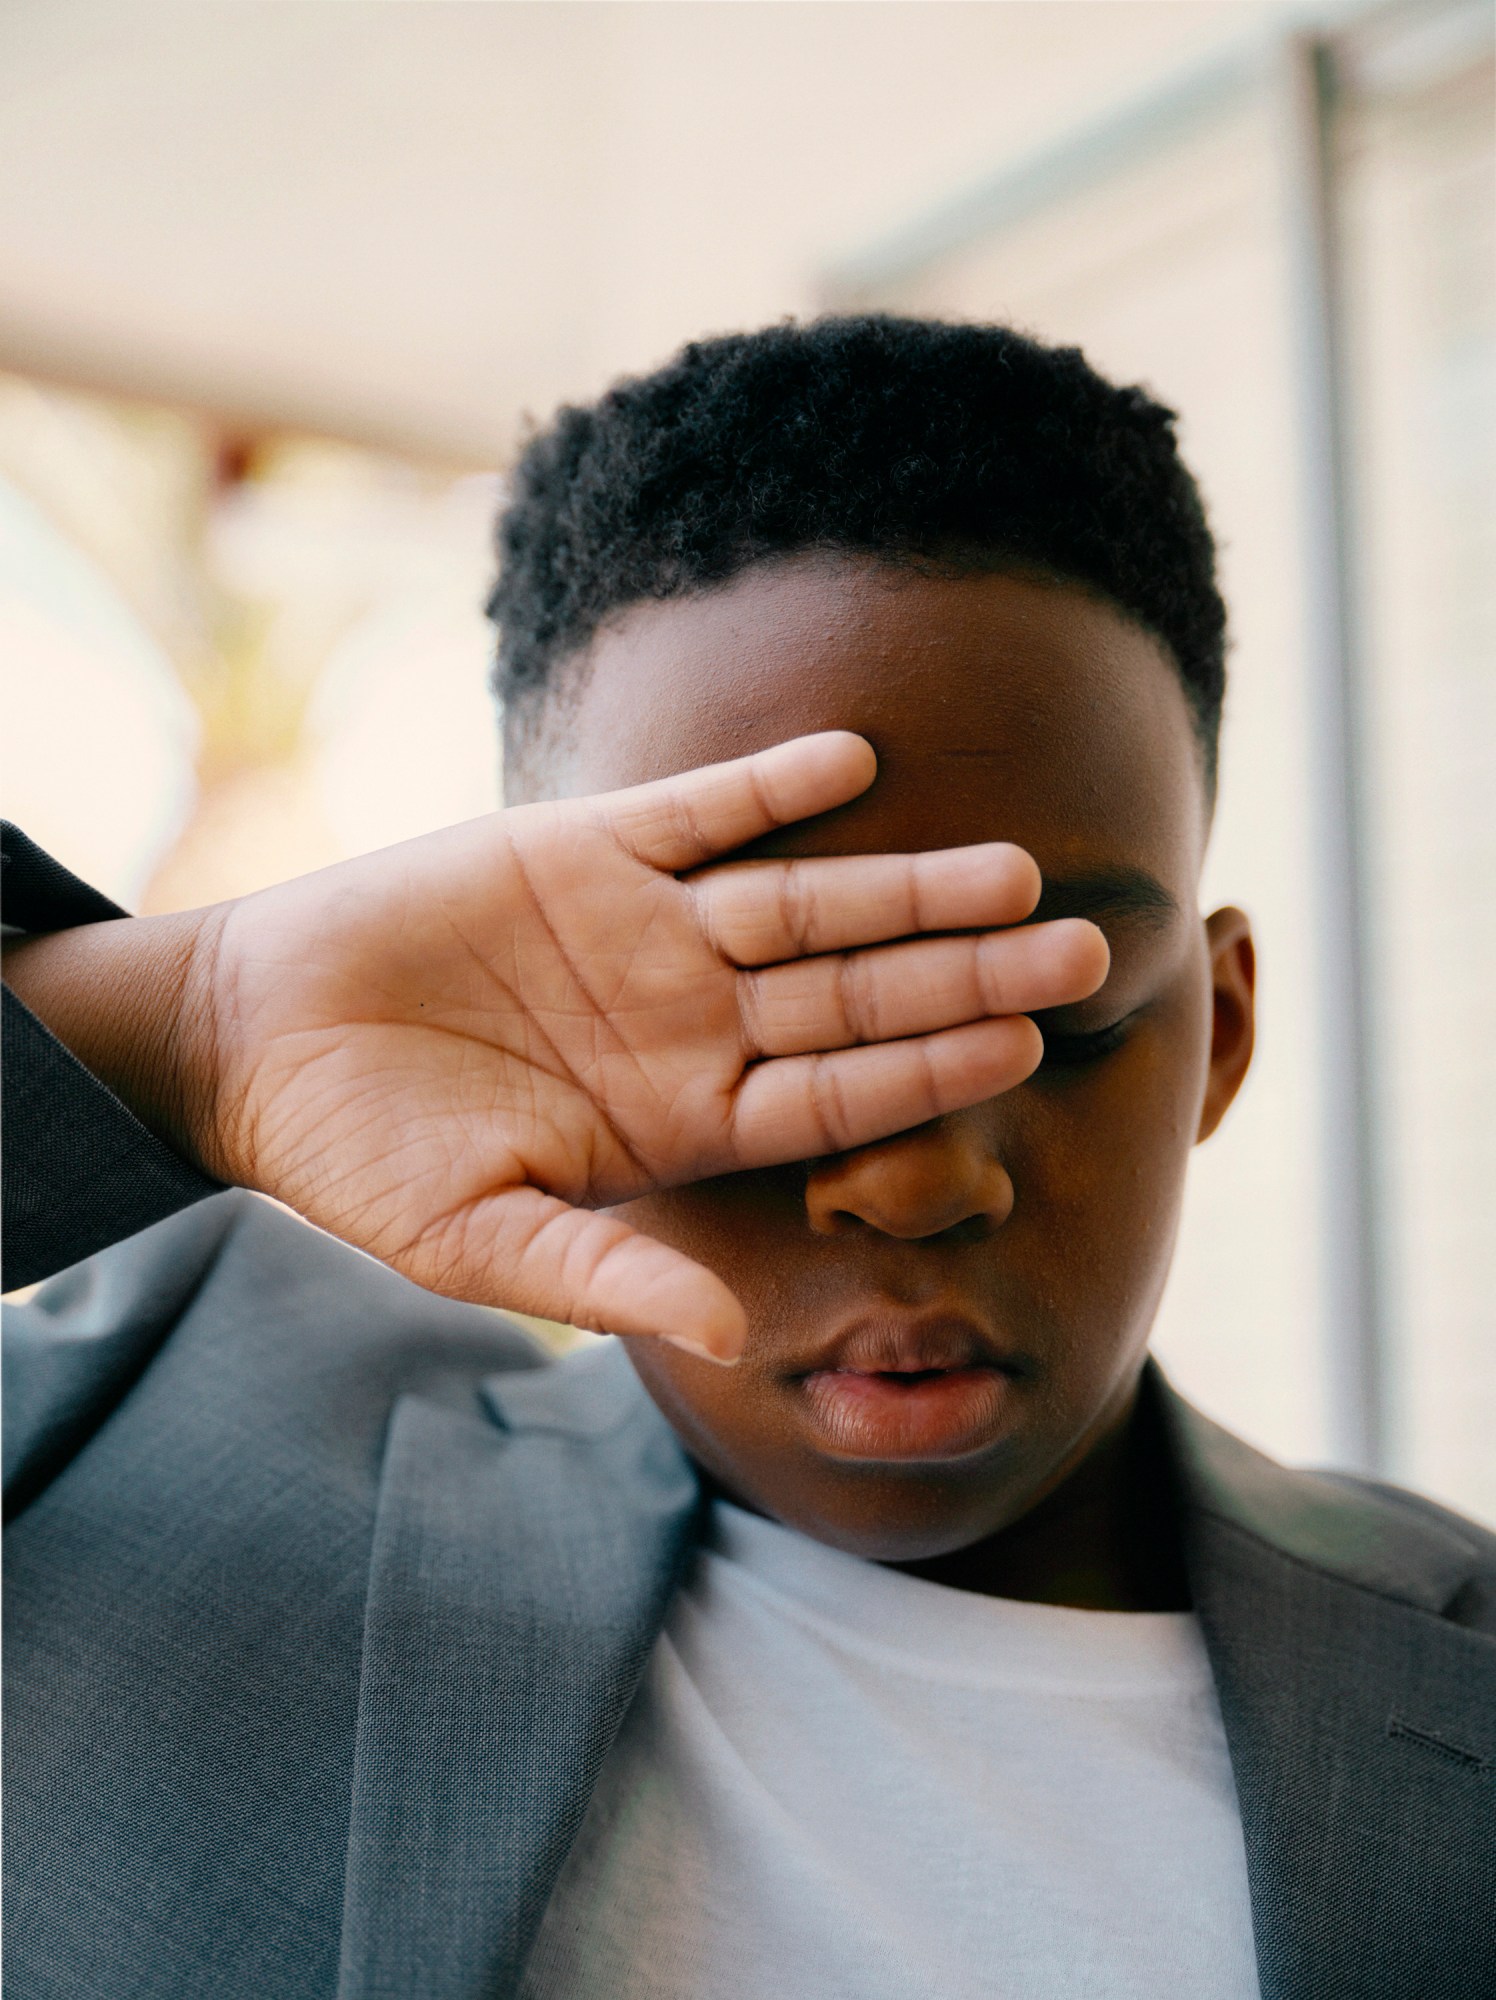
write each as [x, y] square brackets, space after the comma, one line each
[1423, 244]
[414, 221]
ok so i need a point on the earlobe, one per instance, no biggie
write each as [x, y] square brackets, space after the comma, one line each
[1233, 977]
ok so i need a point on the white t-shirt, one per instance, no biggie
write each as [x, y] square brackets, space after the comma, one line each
[839, 1782]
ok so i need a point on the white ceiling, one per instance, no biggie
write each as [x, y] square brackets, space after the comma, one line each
[417, 220]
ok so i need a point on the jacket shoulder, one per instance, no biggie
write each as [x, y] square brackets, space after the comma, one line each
[1377, 1536]
[236, 1303]
[1402, 1511]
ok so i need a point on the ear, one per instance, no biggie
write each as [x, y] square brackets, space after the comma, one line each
[1233, 976]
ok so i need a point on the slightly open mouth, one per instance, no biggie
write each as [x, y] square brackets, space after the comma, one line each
[908, 1413]
[900, 1378]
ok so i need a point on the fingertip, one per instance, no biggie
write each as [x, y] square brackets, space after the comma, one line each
[1026, 1029]
[859, 748]
[851, 754]
[1086, 946]
[713, 1328]
[1028, 882]
[1103, 953]
[689, 1344]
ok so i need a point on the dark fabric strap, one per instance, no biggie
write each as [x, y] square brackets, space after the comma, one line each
[81, 1171]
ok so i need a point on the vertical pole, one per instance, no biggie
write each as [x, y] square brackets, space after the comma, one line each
[1354, 1298]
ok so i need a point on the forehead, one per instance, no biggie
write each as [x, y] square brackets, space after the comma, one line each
[1001, 708]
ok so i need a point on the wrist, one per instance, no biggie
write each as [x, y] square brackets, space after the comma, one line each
[132, 1000]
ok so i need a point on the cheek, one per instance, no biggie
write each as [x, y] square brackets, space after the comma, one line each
[729, 1419]
[1099, 1160]
[739, 1225]
[683, 1389]
[750, 1229]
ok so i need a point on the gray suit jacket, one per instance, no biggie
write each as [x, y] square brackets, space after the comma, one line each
[326, 1598]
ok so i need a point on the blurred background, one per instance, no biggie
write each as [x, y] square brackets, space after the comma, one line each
[282, 284]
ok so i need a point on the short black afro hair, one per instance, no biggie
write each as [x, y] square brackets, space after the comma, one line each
[905, 439]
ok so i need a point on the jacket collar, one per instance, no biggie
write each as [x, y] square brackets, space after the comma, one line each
[518, 1579]
[1359, 1717]
[1364, 1534]
[525, 1556]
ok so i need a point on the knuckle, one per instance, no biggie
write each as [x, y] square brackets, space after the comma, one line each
[929, 1080]
[796, 907]
[685, 822]
[759, 791]
[916, 892]
[712, 906]
[857, 999]
[828, 1109]
[751, 1014]
[993, 982]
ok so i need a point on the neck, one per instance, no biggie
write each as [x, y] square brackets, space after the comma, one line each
[1106, 1540]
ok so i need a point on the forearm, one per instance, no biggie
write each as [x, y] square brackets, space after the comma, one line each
[122, 997]
[98, 1081]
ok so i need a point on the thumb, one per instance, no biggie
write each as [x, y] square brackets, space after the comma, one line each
[591, 1271]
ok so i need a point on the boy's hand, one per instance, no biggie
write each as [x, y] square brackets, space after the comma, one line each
[453, 1052]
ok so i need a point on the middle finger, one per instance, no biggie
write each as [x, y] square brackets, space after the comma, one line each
[918, 987]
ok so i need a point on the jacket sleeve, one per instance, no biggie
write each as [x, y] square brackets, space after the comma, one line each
[75, 1351]
[80, 1170]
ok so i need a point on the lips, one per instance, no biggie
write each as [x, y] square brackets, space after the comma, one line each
[905, 1387]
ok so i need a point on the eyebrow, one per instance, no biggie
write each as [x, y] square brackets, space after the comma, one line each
[1123, 894]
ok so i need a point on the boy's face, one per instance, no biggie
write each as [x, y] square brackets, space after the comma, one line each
[1031, 1235]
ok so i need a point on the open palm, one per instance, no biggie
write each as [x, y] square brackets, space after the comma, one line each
[454, 1052]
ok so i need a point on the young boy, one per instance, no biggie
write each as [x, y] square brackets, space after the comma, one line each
[933, 1648]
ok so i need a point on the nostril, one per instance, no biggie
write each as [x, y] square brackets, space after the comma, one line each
[937, 1184]
[836, 1222]
[847, 1222]
[975, 1229]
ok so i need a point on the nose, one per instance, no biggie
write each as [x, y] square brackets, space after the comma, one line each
[939, 1179]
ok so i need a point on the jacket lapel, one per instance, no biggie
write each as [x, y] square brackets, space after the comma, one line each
[1360, 1720]
[524, 1557]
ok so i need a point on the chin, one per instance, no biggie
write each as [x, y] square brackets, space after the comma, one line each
[914, 1517]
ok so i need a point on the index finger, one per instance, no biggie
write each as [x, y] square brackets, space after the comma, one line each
[761, 912]
[677, 823]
